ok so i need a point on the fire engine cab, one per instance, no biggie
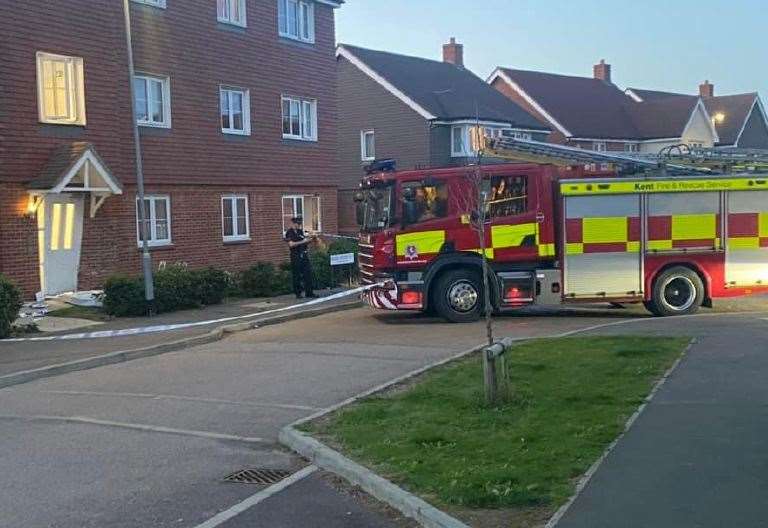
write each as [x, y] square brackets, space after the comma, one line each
[674, 237]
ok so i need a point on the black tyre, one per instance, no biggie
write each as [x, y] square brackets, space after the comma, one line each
[458, 296]
[677, 291]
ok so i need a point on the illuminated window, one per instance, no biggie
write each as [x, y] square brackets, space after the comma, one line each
[60, 89]
[296, 20]
[156, 227]
[305, 206]
[299, 118]
[153, 101]
[368, 145]
[234, 218]
[62, 226]
[232, 12]
[235, 111]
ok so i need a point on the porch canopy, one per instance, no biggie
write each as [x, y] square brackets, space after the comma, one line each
[77, 168]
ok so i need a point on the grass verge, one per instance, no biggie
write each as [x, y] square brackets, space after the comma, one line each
[571, 398]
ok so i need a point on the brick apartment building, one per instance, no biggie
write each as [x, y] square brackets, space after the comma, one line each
[237, 105]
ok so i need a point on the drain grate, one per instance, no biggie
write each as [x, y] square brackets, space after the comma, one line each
[259, 476]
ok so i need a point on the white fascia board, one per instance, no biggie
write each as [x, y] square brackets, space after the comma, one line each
[341, 51]
[661, 140]
[756, 104]
[85, 158]
[633, 95]
[499, 74]
[598, 140]
[701, 108]
[329, 3]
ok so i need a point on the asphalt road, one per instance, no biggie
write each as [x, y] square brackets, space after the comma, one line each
[148, 442]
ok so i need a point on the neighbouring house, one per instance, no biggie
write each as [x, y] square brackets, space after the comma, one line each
[740, 119]
[416, 111]
[236, 102]
[593, 113]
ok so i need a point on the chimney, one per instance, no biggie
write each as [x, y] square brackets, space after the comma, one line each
[453, 53]
[707, 89]
[603, 71]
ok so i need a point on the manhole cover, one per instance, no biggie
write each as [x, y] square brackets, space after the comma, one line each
[259, 476]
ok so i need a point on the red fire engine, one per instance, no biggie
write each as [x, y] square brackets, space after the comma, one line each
[671, 236]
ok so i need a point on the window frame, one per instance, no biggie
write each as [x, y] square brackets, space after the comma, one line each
[246, 131]
[364, 154]
[303, 103]
[599, 146]
[632, 147]
[75, 89]
[235, 236]
[229, 20]
[286, 216]
[165, 83]
[153, 241]
[304, 25]
[160, 4]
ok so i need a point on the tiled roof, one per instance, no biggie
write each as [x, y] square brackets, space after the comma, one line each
[592, 108]
[734, 108]
[444, 90]
[61, 161]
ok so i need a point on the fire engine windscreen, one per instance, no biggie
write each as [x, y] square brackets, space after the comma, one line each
[424, 201]
[374, 208]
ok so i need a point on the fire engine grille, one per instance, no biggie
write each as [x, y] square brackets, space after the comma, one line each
[258, 476]
[365, 262]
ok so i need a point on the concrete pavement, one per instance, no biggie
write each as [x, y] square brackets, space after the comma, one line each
[696, 456]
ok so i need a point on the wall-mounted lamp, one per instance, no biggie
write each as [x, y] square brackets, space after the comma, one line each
[718, 117]
[33, 204]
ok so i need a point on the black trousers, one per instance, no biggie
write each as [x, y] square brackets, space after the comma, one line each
[301, 270]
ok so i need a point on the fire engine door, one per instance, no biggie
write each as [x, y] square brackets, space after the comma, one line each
[511, 209]
[602, 246]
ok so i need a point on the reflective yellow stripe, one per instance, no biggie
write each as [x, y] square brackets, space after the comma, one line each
[506, 236]
[574, 249]
[546, 250]
[694, 227]
[651, 186]
[604, 230]
[659, 245]
[424, 242]
[489, 253]
[764, 225]
[633, 247]
[736, 244]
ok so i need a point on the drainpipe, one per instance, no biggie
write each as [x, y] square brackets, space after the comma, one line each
[146, 257]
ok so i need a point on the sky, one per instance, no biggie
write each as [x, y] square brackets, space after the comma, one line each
[669, 45]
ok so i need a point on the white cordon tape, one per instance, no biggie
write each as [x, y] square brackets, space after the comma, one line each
[181, 326]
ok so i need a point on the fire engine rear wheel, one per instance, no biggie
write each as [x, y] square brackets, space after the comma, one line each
[677, 291]
[458, 296]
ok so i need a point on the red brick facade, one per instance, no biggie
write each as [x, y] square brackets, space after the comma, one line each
[193, 161]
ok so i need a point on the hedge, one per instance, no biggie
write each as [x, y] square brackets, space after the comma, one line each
[10, 304]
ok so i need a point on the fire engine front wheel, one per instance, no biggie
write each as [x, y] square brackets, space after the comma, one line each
[457, 296]
[677, 291]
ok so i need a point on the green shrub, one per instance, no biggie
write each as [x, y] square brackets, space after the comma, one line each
[124, 297]
[212, 285]
[176, 288]
[321, 265]
[258, 280]
[10, 304]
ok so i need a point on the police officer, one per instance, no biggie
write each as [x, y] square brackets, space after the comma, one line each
[300, 266]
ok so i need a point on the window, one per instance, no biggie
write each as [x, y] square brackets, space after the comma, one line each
[368, 145]
[60, 89]
[296, 20]
[299, 118]
[232, 12]
[156, 228]
[62, 226]
[631, 147]
[156, 3]
[516, 134]
[459, 141]
[508, 196]
[153, 101]
[599, 146]
[235, 111]
[461, 137]
[422, 202]
[305, 206]
[234, 218]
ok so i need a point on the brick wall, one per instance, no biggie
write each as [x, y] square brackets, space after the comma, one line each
[18, 234]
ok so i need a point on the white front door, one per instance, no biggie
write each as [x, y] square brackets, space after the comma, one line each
[60, 224]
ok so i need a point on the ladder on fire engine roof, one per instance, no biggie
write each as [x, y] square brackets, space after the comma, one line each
[678, 160]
